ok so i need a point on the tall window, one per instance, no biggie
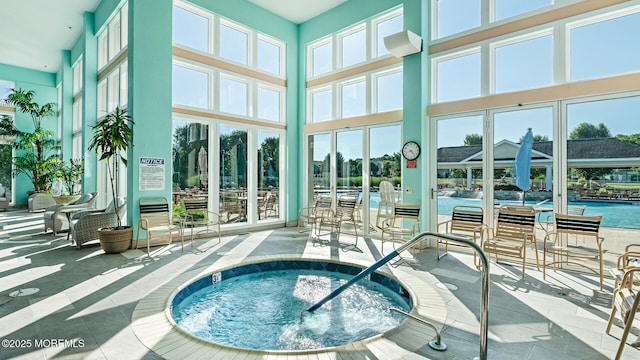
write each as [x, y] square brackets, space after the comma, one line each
[352, 44]
[203, 31]
[114, 37]
[240, 173]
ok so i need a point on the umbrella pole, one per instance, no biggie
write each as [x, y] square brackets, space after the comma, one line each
[524, 194]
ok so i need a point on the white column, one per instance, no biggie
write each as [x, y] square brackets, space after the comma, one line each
[548, 185]
[469, 177]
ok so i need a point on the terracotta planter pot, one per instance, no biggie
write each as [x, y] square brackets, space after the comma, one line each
[115, 240]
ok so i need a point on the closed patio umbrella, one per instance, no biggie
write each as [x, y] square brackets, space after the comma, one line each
[523, 164]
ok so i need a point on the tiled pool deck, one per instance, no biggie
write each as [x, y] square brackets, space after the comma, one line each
[96, 306]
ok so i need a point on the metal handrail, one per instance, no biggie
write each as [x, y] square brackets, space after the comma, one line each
[484, 271]
[435, 344]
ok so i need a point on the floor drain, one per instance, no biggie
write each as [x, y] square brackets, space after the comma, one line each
[446, 286]
[24, 292]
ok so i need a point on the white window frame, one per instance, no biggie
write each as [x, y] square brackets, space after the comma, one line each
[311, 60]
[311, 104]
[586, 20]
[282, 54]
[250, 42]
[211, 32]
[532, 35]
[281, 102]
[448, 57]
[339, 50]
[77, 76]
[366, 79]
[373, 88]
[239, 79]
[374, 30]
[103, 49]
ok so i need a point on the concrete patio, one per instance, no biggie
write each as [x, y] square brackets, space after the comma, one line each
[86, 299]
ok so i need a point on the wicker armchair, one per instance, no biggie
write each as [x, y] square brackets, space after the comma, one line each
[85, 224]
[5, 198]
[56, 220]
[40, 201]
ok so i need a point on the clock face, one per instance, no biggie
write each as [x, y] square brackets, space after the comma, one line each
[411, 150]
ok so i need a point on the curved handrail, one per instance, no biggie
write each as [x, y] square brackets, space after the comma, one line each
[484, 271]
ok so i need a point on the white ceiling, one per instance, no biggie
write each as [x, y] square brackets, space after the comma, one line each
[34, 32]
[298, 11]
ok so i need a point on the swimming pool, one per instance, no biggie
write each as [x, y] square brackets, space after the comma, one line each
[614, 214]
[262, 306]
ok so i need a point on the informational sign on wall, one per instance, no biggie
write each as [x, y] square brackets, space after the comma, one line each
[151, 176]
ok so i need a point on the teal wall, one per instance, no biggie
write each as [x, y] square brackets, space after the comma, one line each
[416, 94]
[44, 84]
[149, 93]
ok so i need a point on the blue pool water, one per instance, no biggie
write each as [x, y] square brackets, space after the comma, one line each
[615, 215]
[266, 310]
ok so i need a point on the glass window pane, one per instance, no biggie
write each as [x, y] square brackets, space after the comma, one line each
[458, 78]
[124, 24]
[191, 160]
[354, 48]
[113, 93]
[268, 104]
[268, 57]
[124, 87]
[524, 65]
[190, 30]
[510, 127]
[319, 171]
[6, 157]
[354, 99]
[114, 36]
[233, 174]
[268, 175]
[102, 49]
[349, 162]
[321, 104]
[508, 8]
[322, 59]
[77, 114]
[190, 87]
[384, 164]
[602, 147]
[5, 89]
[452, 19]
[102, 98]
[459, 144]
[386, 28]
[233, 96]
[389, 92]
[233, 44]
[605, 48]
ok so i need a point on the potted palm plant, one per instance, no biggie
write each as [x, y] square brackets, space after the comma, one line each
[112, 137]
[69, 173]
[38, 158]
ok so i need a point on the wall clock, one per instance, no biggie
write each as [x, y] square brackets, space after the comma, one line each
[411, 150]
